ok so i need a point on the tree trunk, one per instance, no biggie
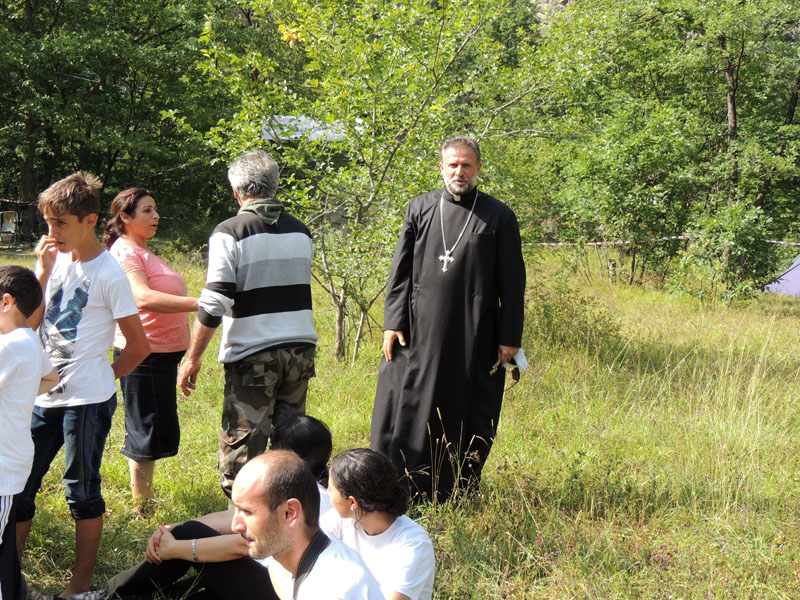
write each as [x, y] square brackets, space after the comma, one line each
[731, 85]
[633, 267]
[359, 332]
[587, 266]
[599, 261]
[27, 176]
[339, 336]
[733, 179]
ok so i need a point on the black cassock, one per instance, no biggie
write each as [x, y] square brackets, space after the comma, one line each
[436, 406]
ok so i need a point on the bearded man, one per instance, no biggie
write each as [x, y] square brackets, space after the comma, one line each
[454, 308]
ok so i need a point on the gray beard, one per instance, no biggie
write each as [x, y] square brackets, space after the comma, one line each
[459, 190]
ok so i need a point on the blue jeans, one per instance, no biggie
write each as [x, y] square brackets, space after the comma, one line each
[82, 430]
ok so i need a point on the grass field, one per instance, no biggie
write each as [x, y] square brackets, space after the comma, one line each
[650, 452]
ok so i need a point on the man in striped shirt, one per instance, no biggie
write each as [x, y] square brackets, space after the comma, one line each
[259, 288]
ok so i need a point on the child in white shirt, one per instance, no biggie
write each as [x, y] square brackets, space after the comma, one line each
[86, 294]
[25, 371]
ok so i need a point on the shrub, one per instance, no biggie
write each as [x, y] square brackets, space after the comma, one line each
[558, 314]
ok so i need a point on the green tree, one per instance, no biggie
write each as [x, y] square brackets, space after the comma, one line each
[676, 116]
[386, 82]
[84, 87]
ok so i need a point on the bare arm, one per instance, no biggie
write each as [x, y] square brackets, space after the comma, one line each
[163, 546]
[45, 251]
[153, 300]
[36, 317]
[136, 345]
[48, 382]
[187, 376]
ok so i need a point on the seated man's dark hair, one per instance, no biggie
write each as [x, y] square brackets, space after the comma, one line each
[22, 284]
[289, 477]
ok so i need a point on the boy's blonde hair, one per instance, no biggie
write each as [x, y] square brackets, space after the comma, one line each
[77, 194]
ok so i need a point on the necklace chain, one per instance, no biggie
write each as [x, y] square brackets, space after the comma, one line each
[447, 257]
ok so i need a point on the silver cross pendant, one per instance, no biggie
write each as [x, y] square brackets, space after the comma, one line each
[446, 258]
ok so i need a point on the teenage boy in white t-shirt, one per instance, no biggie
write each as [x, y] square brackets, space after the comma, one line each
[25, 371]
[86, 294]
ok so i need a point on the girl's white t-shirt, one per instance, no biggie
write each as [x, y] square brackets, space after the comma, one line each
[401, 558]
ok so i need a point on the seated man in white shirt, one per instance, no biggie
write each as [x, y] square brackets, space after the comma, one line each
[208, 546]
[277, 513]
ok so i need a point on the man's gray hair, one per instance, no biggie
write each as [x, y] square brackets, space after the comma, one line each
[462, 140]
[254, 175]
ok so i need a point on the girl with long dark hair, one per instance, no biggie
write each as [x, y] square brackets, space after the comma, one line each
[369, 505]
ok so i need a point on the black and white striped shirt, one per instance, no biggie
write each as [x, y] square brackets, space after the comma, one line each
[258, 285]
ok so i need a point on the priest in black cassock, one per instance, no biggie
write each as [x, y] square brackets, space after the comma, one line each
[454, 308]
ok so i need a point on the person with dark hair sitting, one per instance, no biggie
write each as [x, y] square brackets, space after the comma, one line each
[369, 505]
[208, 543]
[311, 440]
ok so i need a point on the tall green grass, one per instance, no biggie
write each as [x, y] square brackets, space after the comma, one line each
[649, 452]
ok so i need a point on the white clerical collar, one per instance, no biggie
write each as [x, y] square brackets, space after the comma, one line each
[458, 199]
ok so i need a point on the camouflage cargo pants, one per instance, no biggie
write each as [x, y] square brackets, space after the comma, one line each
[259, 388]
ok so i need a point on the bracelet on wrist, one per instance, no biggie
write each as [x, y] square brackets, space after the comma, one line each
[194, 550]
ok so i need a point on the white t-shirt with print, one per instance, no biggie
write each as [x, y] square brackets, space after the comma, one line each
[82, 301]
[338, 574]
[23, 363]
[401, 558]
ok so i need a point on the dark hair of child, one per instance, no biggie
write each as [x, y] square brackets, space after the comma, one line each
[307, 437]
[370, 478]
[22, 284]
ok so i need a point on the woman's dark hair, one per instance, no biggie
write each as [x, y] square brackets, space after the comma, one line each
[370, 478]
[124, 202]
[307, 437]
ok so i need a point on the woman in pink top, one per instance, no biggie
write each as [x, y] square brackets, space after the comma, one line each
[151, 412]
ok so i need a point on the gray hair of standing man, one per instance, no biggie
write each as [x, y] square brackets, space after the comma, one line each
[254, 175]
[462, 140]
